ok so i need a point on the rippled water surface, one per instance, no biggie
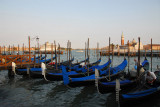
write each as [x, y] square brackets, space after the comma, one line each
[28, 92]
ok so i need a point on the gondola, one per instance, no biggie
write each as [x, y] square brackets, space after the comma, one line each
[78, 63]
[23, 71]
[62, 63]
[45, 61]
[38, 57]
[125, 83]
[80, 68]
[42, 58]
[58, 75]
[37, 72]
[143, 92]
[90, 80]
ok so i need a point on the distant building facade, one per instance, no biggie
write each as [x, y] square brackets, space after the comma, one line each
[154, 46]
[48, 47]
[133, 45]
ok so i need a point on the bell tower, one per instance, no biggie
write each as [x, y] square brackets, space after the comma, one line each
[122, 39]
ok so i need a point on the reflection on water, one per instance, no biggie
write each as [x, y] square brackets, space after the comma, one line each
[27, 92]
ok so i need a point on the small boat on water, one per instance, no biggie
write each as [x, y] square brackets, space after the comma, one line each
[25, 71]
[112, 73]
[80, 68]
[141, 93]
[56, 75]
[80, 51]
[125, 83]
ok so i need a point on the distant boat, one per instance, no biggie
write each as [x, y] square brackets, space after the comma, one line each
[80, 51]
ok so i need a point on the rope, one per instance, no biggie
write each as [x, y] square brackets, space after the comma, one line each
[108, 79]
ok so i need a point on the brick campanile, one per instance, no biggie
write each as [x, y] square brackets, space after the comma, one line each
[122, 39]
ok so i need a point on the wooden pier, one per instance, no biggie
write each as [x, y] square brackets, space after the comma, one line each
[22, 61]
[154, 54]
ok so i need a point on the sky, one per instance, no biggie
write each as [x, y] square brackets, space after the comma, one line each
[78, 20]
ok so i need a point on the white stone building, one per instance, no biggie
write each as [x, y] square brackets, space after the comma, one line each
[48, 47]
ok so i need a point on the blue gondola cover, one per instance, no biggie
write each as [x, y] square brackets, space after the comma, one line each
[65, 76]
[139, 94]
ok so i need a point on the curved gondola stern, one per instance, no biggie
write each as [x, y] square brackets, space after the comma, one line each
[96, 79]
[117, 91]
[14, 68]
[43, 66]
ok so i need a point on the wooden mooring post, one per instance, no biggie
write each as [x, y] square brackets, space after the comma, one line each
[4, 50]
[97, 52]
[0, 50]
[151, 54]
[128, 55]
[88, 55]
[112, 54]
[55, 54]
[67, 49]
[109, 59]
[138, 64]
[70, 55]
[159, 52]
[52, 52]
[85, 53]
[9, 50]
[45, 52]
[18, 50]
[13, 50]
[23, 48]
[29, 50]
[59, 54]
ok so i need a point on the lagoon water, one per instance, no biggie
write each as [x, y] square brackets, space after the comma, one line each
[28, 92]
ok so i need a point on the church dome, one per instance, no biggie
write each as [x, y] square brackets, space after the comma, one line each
[133, 41]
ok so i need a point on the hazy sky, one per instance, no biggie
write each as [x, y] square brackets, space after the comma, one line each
[77, 20]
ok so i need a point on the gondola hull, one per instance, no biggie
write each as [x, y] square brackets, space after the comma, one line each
[141, 99]
[54, 77]
[103, 89]
[92, 81]
[36, 74]
[21, 72]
